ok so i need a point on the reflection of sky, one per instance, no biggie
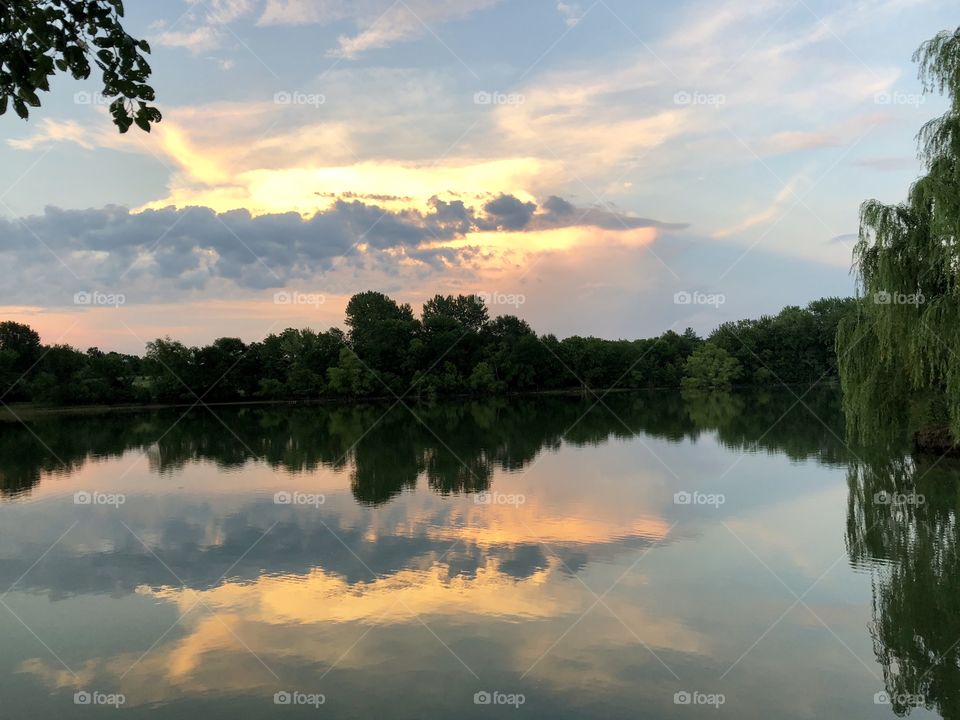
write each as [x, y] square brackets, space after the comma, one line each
[415, 596]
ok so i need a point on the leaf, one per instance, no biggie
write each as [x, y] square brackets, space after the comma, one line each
[21, 108]
[30, 97]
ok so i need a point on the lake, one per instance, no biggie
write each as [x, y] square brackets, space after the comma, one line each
[649, 555]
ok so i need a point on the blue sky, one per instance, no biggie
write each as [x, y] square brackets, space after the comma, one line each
[578, 163]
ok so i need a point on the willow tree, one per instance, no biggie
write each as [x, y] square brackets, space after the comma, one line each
[899, 355]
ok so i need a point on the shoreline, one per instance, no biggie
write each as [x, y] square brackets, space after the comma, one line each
[14, 412]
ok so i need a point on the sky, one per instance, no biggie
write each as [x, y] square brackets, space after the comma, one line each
[614, 168]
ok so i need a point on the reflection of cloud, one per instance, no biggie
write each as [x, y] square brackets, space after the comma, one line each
[197, 537]
[319, 597]
[314, 621]
[509, 527]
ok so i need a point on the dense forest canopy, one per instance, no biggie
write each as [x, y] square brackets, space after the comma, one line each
[454, 347]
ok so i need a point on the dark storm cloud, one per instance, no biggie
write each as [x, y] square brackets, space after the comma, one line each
[558, 207]
[560, 213]
[158, 251]
[508, 213]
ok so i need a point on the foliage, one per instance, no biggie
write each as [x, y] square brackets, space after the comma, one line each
[350, 376]
[899, 351]
[794, 346]
[902, 526]
[710, 367]
[39, 38]
[453, 348]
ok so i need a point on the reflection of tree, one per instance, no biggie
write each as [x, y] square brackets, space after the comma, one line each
[902, 523]
[713, 409]
[801, 423]
[457, 447]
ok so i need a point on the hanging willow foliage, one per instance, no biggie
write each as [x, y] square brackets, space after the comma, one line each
[899, 355]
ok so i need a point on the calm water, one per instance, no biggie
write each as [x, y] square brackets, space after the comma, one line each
[572, 560]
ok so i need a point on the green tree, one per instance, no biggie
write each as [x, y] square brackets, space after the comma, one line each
[39, 38]
[22, 342]
[381, 332]
[710, 367]
[898, 353]
[19, 352]
[450, 332]
[482, 379]
[350, 376]
[167, 364]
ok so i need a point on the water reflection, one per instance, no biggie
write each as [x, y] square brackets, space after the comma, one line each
[598, 596]
[902, 526]
[457, 447]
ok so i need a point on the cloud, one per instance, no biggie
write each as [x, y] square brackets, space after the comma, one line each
[509, 213]
[53, 131]
[381, 23]
[314, 12]
[560, 213]
[198, 40]
[411, 138]
[225, 11]
[844, 239]
[845, 134]
[176, 253]
[571, 13]
[787, 192]
[889, 164]
[204, 24]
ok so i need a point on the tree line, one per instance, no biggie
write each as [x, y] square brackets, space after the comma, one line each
[453, 348]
